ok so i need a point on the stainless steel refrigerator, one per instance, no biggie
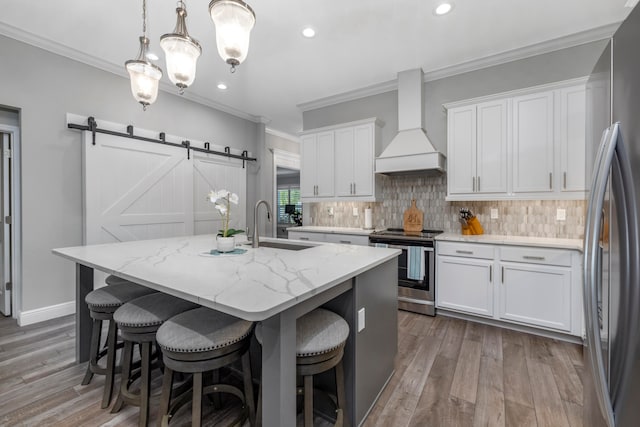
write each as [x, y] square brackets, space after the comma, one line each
[612, 247]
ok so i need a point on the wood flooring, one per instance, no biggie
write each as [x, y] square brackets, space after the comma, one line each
[449, 372]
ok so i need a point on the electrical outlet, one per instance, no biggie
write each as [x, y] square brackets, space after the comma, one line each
[494, 213]
[330, 211]
[355, 211]
[361, 319]
[561, 214]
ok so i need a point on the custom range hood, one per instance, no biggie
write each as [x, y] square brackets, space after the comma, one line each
[410, 151]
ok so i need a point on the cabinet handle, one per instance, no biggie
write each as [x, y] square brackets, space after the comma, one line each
[303, 238]
[348, 242]
[354, 188]
[535, 258]
[502, 278]
[464, 252]
[491, 273]
[474, 184]
[478, 183]
[550, 181]
[565, 180]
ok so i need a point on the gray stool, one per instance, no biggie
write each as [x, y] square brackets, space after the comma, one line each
[114, 280]
[199, 341]
[320, 339]
[138, 321]
[103, 302]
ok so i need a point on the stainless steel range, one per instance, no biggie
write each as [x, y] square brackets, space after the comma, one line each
[416, 267]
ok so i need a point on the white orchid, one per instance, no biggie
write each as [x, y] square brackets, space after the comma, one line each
[222, 200]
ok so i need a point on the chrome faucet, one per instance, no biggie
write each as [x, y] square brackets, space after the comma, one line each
[254, 242]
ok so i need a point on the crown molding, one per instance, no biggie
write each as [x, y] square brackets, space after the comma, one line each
[96, 62]
[281, 134]
[588, 36]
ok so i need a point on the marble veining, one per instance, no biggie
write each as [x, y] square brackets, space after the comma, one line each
[254, 286]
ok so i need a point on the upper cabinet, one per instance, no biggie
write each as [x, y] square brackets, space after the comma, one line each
[354, 147]
[527, 144]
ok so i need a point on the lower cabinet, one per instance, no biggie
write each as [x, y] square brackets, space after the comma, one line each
[469, 286]
[532, 286]
[347, 239]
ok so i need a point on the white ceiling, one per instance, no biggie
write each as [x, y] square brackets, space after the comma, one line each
[359, 43]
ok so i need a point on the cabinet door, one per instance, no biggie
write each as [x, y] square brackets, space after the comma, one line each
[536, 294]
[308, 165]
[307, 236]
[461, 150]
[364, 158]
[324, 164]
[491, 151]
[344, 161]
[533, 143]
[572, 139]
[465, 284]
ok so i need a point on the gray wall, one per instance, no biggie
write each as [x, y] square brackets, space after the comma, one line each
[44, 87]
[551, 67]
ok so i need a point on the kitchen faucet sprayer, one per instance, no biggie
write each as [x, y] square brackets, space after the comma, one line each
[254, 241]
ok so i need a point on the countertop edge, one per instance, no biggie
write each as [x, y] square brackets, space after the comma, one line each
[545, 242]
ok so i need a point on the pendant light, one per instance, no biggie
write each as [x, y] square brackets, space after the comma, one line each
[233, 20]
[181, 51]
[144, 75]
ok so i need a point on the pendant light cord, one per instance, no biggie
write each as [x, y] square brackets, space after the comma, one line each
[144, 18]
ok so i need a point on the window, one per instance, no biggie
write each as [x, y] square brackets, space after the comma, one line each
[288, 201]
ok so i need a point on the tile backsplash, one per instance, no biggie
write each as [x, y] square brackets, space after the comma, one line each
[515, 217]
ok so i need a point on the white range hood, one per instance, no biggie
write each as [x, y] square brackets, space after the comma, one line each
[410, 151]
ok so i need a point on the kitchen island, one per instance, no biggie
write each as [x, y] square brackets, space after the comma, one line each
[274, 285]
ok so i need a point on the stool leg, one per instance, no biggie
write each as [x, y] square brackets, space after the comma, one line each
[308, 401]
[248, 388]
[145, 383]
[111, 364]
[127, 355]
[259, 410]
[167, 385]
[96, 330]
[340, 393]
[196, 405]
[215, 397]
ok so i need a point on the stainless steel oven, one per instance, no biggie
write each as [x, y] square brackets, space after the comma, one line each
[414, 294]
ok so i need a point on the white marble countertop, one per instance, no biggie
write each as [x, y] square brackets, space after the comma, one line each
[253, 286]
[336, 230]
[546, 242]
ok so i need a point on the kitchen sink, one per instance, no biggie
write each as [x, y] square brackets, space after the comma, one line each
[283, 245]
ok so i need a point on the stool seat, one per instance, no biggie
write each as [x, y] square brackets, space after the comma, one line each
[317, 332]
[109, 298]
[114, 280]
[200, 341]
[150, 310]
[201, 330]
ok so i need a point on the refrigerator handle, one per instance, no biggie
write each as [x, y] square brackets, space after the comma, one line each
[593, 230]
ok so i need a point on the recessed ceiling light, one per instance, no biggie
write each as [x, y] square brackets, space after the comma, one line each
[443, 8]
[152, 56]
[222, 86]
[308, 32]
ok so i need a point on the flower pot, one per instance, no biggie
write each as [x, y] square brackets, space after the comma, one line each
[226, 244]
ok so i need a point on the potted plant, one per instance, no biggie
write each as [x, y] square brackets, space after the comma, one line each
[222, 200]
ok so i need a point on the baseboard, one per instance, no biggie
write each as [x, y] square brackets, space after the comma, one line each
[46, 313]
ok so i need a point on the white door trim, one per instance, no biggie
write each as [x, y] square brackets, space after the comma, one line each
[284, 159]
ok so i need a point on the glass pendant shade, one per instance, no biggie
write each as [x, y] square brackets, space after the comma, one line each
[144, 76]
[181, 51]
[234, 21]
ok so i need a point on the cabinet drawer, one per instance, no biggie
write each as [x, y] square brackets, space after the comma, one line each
[307, 236]
[349, 239]
[536, 255]
[468, 250]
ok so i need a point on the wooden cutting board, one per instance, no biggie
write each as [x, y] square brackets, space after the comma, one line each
[413, 218]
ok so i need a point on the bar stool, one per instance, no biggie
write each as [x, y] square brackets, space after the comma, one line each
[199, 341]
[139, 321]
[320, 339]
[103, 302]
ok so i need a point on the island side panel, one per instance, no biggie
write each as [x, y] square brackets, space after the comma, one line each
[376, 291]
[84, 285]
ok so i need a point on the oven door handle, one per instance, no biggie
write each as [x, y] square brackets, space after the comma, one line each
[406, 248]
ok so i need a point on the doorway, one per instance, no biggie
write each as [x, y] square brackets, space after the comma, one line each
[286, 192]
[9, 292]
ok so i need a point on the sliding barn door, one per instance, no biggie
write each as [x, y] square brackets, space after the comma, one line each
[135, 190]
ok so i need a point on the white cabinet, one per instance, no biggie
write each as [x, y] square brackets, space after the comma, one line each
[355, 146]
[533, 143]
[316, 165]
[347, 239]
[477, 148]
[530, 286]
[571, 139]
[523, 145]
